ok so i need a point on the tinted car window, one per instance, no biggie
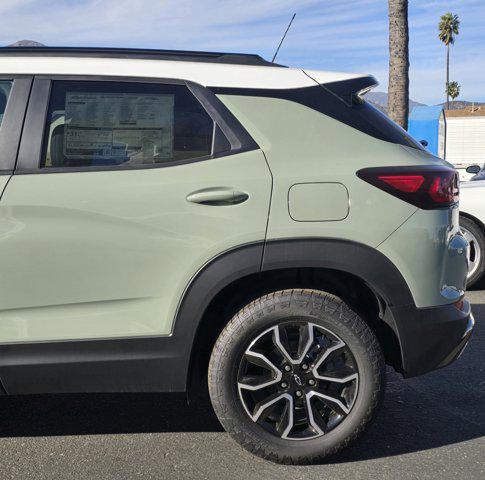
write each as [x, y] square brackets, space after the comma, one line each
[338, 101]
[5, 87]
[93, 124]
[373, 122]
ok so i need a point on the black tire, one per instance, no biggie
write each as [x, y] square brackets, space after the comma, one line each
[477, 249]
[324, 311]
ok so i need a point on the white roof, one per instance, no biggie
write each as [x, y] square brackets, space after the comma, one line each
[206, 74]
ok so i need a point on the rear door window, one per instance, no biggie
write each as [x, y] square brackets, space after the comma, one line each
[100, 124]
[5, 87]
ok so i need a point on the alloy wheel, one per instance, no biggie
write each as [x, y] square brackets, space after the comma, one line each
[297, 380]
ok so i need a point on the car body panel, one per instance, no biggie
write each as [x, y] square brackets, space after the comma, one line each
[110, 253]
[430, 253]
[472, 199]
[318, 202]
[163, 363]
[108, 274]
[304, 146]
[3, 182]
[328, 151]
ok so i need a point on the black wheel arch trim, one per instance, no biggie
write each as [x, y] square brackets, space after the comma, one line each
[162, 363]
[352, 257]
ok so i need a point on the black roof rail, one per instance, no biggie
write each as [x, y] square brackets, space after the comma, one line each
[141, 53]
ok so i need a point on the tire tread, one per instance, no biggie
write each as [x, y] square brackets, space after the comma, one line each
[317, 302]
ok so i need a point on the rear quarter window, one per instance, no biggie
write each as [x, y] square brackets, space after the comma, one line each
[372, 121]
[357, 113]
[335, 101]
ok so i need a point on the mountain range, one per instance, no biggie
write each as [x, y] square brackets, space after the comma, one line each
[379, 100]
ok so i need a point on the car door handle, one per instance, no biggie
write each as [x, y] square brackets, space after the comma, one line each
[218, 196]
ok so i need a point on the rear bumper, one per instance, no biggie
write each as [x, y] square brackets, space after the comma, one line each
[431, 338]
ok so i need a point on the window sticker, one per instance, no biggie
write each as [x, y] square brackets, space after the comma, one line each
[125, 127]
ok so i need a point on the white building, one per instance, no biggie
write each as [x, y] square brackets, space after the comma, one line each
[465, 136]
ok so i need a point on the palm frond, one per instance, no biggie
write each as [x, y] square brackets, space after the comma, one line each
[449, 27]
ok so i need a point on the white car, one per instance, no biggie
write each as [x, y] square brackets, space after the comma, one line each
[472, 222]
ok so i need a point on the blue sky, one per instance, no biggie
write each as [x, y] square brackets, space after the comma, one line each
[345, 35]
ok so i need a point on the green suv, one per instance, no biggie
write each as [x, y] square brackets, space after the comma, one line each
[177, 220]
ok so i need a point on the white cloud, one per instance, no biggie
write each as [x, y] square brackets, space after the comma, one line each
[328, 34]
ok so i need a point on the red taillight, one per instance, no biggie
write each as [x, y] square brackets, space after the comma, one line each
[426, 187]
[404, 183]
[443, 190]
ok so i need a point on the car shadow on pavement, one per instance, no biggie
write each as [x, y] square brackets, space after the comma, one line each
[441, 408]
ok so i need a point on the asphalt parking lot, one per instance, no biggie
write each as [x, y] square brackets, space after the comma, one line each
[430, 427]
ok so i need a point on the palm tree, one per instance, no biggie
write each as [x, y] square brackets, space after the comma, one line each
[453, 90]
[449, 27]
[398, 91]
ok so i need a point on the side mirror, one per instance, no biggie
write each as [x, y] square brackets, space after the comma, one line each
[424, 143]
[473, 169]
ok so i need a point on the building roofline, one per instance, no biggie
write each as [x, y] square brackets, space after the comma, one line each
[141, 53]
[477, 111]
